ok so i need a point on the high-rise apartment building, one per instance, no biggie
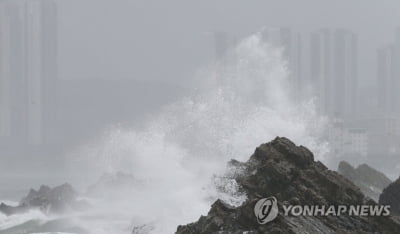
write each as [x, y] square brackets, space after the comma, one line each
[5, 77]
[41, 67]
[386, 70]
[388, 77]
[28, 69]
[334, 71]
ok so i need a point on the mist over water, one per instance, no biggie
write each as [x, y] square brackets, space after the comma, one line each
[180, 156]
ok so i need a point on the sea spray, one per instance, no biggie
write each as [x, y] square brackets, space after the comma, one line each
[182, 152]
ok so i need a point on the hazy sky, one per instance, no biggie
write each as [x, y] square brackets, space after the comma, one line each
[170, 40]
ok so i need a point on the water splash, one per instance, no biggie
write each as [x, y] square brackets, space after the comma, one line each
[180, 151]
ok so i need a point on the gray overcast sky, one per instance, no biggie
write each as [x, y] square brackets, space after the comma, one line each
[170, 40]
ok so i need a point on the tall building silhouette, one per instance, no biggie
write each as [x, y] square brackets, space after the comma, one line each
[41, 67]
[396, 78]
[386, 70]
[334, 71]
[321, 69]
[388, 77]
[28, 69]
[5, 77]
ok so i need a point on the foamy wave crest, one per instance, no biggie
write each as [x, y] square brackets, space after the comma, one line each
[181, 152]
[18, 219]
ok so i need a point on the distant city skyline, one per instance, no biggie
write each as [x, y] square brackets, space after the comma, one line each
[327, 60]
[96, 42]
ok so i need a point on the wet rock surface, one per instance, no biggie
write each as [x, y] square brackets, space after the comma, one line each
[370, 181]
[289, 173]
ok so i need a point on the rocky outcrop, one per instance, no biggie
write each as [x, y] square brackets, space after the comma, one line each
[391, 196]
[10, 210]
[289, 173]
[370, 181]
[55, 200]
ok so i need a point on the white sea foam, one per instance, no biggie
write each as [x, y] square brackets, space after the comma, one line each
[181, 150]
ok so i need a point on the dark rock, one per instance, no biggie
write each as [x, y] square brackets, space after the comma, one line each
[10, 210]
[370, 181]
[289, 173]
[391, 196]
[50, 201]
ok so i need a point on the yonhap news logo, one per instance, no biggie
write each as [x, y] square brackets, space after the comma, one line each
[266, 210]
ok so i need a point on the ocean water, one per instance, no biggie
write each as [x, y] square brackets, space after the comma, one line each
[180, 154]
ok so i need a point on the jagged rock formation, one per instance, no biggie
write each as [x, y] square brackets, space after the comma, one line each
[391, 196]
[59, 199]
[370, 181]
[289, 173]
[10, 210]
